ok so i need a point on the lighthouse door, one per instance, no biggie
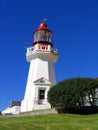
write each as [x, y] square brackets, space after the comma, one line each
[41, 96]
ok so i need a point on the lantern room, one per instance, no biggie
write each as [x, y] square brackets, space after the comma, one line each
[42, 37]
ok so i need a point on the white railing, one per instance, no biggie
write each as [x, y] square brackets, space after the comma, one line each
[30, 49]
[53, 50]
[40, 101]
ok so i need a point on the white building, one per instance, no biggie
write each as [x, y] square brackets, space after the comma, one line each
[41, 77]
[11, 110]
[14, 108]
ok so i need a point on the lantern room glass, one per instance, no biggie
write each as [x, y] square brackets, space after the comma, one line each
[43, 35]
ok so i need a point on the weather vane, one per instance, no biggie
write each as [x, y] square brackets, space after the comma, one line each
[44, 19]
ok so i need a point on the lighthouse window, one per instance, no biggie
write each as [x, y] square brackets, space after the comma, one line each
[43, 47]
[49, 39]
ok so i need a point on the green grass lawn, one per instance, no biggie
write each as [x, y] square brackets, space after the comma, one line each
[50, 122]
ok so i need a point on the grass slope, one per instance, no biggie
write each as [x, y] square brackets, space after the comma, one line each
[50, 122]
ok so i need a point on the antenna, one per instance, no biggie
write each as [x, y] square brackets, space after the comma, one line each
[27, 44]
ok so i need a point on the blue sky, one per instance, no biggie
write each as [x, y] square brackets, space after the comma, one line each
[75, 33]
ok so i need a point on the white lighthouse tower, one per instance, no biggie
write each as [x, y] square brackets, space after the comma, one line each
[41, 77]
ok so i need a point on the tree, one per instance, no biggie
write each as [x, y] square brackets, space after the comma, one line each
[75, 92]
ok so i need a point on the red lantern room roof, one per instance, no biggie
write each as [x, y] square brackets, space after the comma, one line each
[42, 26]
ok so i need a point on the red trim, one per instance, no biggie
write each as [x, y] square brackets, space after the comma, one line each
[42, 42]
[43, 29]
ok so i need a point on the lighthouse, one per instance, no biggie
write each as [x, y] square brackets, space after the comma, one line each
[41, 77]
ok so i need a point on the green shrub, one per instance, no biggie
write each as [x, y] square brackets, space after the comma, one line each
[74, 93]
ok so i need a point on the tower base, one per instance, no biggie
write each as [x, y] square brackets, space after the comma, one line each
[27, 106]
